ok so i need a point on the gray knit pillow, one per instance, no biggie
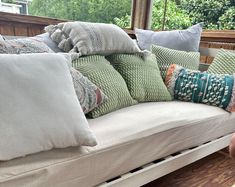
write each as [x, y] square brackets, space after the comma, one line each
[91, 38]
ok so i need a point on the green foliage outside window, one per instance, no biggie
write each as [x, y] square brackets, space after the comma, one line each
[176, 18]
[83, 10]
[216, 14]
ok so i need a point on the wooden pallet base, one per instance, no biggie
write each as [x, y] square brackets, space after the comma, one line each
[155, 170]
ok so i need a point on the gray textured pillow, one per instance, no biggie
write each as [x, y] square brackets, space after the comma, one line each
[91, 38]
[39, 107]
[45, 38]
[183, 40]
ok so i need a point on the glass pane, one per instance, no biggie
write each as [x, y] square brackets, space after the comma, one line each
[180, 14]
[104, 11]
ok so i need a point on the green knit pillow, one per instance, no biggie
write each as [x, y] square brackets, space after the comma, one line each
[97, 69]
[224, 63]
[142, 76]
[165, 57]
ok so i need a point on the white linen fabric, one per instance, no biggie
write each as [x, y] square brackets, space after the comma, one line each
[39, 109]
[128, 138]
[183, 40]
[91, 38]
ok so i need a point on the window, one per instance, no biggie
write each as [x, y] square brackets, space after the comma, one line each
[105, 11]
[180, 14]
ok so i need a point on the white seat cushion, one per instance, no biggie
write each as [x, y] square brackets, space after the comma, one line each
[128, 138]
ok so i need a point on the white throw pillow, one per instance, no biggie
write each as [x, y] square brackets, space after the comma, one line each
[183, 40]
[39, 109]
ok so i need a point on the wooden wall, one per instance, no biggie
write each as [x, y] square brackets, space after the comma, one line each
[22, 25]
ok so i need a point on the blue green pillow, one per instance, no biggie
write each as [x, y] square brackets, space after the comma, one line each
[201, 87]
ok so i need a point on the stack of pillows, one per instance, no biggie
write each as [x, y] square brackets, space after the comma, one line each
[178, 60]
[103, 70]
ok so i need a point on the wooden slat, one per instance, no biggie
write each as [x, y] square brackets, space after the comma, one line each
[203, 58]
[160, 169]
[6, 28]
[219, 36]
[35, 30]
[20, 18]
[20, 29]
[24, 25]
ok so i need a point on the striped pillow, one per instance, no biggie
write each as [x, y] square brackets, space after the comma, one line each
[165, 57]
[224, 63]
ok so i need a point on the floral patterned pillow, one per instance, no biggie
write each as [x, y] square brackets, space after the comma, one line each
[88, 94]
[23, 45]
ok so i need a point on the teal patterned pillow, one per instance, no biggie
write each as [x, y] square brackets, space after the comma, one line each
[224, 63]
[165, 57]
[194, 86]
[88, 94]
[142, 76]
[98, 70]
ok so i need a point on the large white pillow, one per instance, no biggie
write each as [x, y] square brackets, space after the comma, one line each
[39, 109]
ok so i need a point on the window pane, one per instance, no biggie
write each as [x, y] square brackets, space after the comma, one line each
[105, 11]
[180, 14]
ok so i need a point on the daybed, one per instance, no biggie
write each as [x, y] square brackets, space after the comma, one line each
[127, 141]
[136, 145]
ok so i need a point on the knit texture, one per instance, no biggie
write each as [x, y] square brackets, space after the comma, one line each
[142, 76]
[98, 70]
[165, 57]
[87, 38]
[198, 87]
[224, 63]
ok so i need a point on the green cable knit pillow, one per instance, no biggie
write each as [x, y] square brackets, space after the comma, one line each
[165, 57]
[142, 76]
[224, 63]
[97, 69]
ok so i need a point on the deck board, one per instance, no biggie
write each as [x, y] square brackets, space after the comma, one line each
[216, 170]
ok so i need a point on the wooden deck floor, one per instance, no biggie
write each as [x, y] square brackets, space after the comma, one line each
[216, 170]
